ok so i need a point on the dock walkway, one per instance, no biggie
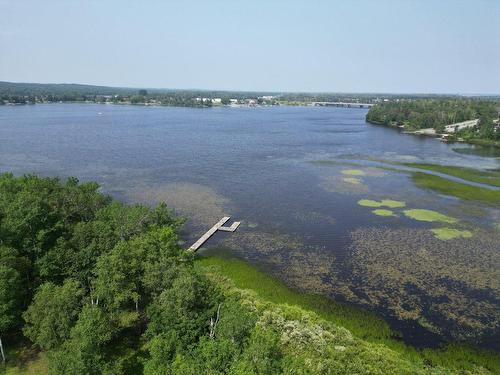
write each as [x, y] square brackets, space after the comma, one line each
[211, 231]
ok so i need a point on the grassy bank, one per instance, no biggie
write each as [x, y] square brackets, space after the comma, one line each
[312, 319]
[23, 359]
[359, 322]
[469, 174]
[456, 189]
[453, 359]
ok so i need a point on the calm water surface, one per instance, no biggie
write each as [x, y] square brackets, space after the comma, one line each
[293, 176]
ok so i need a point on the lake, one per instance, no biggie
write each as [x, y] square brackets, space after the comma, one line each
[294, 177]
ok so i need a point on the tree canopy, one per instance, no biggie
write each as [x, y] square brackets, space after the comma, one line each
[416, 114]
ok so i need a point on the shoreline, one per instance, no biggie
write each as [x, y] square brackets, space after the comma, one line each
[421, 132]
[366, 324]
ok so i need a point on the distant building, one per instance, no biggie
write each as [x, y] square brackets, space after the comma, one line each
[217, 100]
[461, 125]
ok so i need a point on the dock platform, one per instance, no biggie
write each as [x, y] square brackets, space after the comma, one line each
[211, 231]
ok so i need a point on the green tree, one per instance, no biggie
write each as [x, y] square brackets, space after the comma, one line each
[117, 285]
[262, 355]
[235, 323]
[185, 308]
[36, 212]
[162, 349]
[10, 301]
[164, 259]
[84, 353]
[52, 313]
[141, 268]
[13, 271]
[211, 356]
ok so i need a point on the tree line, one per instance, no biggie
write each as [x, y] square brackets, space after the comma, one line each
[437, 113]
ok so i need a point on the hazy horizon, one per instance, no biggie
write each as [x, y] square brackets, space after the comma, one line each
[396, 47]
[259, 91]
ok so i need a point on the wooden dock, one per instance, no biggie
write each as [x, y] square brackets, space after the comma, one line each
[211, 231]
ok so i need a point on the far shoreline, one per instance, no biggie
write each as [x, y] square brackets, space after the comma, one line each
[476, 142]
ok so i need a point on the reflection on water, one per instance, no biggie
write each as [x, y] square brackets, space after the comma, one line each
[484, 151]
[293, 176]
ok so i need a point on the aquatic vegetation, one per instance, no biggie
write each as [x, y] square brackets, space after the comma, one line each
[453, 285]
[334, 184]
[202, 204]
[246, 276]
[450, 233]
[308, 270]
[352, 180]
[382, 212]
[369, 203]
[262, 242]
[470, 174]
[392, 203]
[467, 208]
[314, 216]
[366, 171]
[456, 189]
[428, 215]
[383, 203]
[353, 172]
[320, 334]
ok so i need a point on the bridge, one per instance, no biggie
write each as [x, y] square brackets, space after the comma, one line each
[342, 104]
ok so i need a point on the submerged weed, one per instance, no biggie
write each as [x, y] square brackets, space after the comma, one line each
[353, 172]
[352, 180]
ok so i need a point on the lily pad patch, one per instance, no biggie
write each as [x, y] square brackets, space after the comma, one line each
[382, 212]
[450, 233]
[428, 215]
[383, 203]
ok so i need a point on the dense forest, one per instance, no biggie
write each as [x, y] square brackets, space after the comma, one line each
[437, 113]
[99, 287]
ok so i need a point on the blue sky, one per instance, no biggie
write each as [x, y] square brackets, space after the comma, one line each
[423, 46]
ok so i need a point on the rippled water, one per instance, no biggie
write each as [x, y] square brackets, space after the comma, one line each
[292, 176]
